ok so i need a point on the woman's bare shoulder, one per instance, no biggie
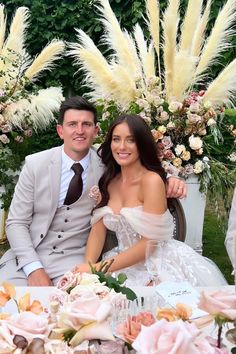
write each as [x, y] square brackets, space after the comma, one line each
[152, 178]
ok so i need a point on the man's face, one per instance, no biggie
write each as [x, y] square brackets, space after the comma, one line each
[78, 132]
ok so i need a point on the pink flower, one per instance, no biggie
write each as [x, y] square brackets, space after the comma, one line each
[219, 303]
[87, 316]
[172, 338]
[95, 194]
[69, 280]
[132, 327]
[28, 325]
[166, 141]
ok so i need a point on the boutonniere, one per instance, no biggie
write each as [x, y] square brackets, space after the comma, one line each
[95, 194]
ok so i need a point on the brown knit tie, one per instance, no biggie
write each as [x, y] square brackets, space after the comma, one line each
[76, 185]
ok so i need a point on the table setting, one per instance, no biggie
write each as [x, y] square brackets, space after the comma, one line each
[83, 315]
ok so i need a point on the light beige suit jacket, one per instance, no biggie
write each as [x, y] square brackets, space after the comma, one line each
[34, 205]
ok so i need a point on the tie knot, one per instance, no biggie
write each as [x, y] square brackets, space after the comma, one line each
[77, 168]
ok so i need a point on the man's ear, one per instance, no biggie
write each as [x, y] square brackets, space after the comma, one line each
[60, 131]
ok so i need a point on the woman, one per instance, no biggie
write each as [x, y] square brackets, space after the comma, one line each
[133, 204]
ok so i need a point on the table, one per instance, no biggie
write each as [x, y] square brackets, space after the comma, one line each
[42, 294]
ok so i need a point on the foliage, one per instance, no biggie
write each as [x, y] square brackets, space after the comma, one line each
[112, 282]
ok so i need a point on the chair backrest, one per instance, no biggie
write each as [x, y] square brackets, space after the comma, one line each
[176, 211]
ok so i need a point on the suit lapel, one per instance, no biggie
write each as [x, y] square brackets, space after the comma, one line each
[54, 177]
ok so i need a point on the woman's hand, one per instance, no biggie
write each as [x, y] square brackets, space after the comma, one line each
[176, 188]
[82, 268]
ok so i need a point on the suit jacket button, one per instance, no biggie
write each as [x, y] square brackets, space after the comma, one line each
[59, 236]
[66, 220]
[68, 208]
[41, 236]
[54, 247]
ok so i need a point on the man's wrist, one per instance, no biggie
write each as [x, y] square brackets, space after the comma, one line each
[31, 267]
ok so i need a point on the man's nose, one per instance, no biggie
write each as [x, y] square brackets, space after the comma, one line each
[79, 128]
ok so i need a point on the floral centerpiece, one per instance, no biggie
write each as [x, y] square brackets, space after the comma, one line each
[24, 108]
[169, 84]
[80, 315]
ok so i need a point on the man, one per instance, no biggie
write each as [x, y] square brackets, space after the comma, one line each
[231, 232]
[46, 229]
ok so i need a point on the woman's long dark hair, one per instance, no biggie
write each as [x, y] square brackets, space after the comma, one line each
[146, 146]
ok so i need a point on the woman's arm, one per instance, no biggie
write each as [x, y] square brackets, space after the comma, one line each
[95, 242]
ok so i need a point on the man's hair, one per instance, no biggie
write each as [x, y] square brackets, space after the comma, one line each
[79, 103]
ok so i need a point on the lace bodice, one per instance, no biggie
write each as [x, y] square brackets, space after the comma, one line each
[180, 262]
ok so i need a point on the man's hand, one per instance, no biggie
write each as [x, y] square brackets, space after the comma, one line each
[39, 278]
[176, 188]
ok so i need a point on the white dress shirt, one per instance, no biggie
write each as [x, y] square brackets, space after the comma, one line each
[66, 174]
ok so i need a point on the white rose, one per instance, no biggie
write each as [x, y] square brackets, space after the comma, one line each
[207, 104]
[195, 142]
[4, 139]
[194, 118]
[198, 167]
[171, 125]
[179, 149]
[175, 106]
[194, 107]
[162, 129]
[164, 116]
[210, 122]
[89, 279]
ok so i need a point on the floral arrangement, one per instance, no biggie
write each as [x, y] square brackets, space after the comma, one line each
[80, 315]
[24, 108]
[169, 83]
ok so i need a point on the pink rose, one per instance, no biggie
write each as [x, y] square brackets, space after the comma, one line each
[167, 142]
[58, 296]
[171, 338]
[28, 325]
[69, 280]
[219, 303]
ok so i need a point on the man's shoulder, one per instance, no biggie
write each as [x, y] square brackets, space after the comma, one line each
[43, 155]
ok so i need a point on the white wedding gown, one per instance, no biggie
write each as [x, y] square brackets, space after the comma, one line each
[179, 262]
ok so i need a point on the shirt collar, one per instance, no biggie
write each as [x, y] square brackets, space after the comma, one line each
[68, 162]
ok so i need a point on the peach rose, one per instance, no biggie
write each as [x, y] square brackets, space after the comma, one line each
[219, 303]
[130, 329]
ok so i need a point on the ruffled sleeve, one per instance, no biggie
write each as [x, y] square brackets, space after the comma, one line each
[99, 213]
[151, 226]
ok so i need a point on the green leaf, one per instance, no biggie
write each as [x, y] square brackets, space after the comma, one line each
[121, 278]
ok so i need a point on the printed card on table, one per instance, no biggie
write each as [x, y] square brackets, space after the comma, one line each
[182, 292]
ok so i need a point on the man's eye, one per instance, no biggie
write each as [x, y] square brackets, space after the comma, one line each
[87, 124]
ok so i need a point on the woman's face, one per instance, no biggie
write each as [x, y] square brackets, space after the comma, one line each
[123, 145]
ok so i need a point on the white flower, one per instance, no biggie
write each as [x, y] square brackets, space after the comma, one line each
[210, 122]
[166, 141]
[163, 116]
[194, 118]
[162, 129]
[194, 107]
[232, 157]
[171, 125]
[207, 104]
[198, 167]
[179, 149]
[4, 139]
[175, 106]
[195, 142]
[142, 103]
